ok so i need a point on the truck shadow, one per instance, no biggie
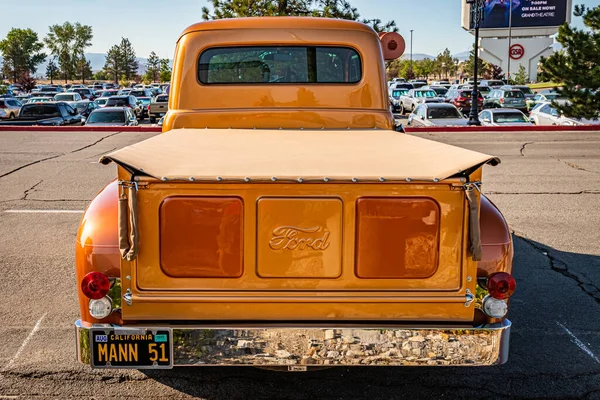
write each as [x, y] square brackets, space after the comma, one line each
[549, 298]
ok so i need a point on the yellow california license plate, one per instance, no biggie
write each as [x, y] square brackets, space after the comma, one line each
[139, 348]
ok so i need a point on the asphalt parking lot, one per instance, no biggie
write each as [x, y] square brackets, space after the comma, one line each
[548, 187]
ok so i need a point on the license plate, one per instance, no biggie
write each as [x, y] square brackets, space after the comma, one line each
[139, 348]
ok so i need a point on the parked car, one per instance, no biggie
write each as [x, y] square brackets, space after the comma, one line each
[9, 108]
[109, 93]
[523, 88]
[543, 98]
[124, 92]
[141, 93]
[503, 117]
[49, 89]
[461, 99]
[417, 83]
[143, 104]
[87, 94]
[68, 96]
[124, 101]
[439, 90]
[414, 97]
[510, 98]
[403, 86]
[39, 99]
[112, 116]
[545, 114]
[85, 107]
[101, 101]
[159, 107]
[436, 114]
[492, 83]
[47, 114]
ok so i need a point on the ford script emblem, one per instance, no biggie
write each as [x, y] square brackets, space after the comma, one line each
[296, 238]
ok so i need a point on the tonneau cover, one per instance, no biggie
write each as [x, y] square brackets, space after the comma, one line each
[298, 155]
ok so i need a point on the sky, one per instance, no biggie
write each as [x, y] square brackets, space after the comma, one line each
[155, 25]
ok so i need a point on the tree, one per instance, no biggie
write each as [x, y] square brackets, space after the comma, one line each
[67, 42]
[482, 66]
[84, 69]
[521, 77]
[27, 81]
[317, 8]
[51, 71]
[577, 66]
[129, 60]
[100, 76]
[22, 53]
[165, 70]
[113, 66]
[495, 72]
[153, 67]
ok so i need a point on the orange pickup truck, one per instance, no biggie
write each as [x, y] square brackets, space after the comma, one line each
[281, 220]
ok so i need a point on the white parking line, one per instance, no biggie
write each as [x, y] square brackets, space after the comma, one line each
[579, 343]
[27, 339]
[44, 211]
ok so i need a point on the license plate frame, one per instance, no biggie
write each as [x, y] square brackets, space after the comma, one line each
[160, 336]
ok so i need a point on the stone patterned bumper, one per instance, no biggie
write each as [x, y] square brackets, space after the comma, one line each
[331, 346]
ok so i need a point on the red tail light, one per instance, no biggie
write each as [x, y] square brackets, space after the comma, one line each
[501, 285]
[2, 105]
[461, 99]
[95, 285]
[501, 100]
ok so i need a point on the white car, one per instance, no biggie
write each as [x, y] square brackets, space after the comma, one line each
[503, 117]
[414, 97]
[436, 114]
[545, 114]
[69, 97]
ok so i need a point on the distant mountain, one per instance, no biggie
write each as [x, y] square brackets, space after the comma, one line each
[417, 56]
[464, 56]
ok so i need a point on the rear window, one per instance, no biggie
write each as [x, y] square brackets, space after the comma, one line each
[275, 65]
[117, 102]
[34, 110]
[510, 117]
[514, 94]
[162, 99]
[104, 117]
[440, 113]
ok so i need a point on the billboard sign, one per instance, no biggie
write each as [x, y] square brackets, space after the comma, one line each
[525, 13]
[517, 51]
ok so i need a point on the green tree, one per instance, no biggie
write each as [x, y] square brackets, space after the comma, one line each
[444, 64]
[317, 8]
[165, 70]
[113, 66]
[577, 66]
[469, 65]
[153, 68]
[67, 42]
[22, 53]
[51, 71]
[495, 72]
[100, 76]
[128, 58]
[83, 69]
[520, 77]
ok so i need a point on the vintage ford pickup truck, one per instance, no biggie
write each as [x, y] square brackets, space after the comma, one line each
[282, 221]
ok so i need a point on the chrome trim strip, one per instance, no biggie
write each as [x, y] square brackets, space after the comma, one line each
[272, 345]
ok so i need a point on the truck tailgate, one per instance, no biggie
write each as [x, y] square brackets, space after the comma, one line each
[271, 249]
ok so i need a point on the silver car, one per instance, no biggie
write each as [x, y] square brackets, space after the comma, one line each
[545, 114]
[503, 117]
[9, 108]
[436, 114]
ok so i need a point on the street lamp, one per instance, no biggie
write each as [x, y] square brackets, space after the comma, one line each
[477, 7]
[411, 53]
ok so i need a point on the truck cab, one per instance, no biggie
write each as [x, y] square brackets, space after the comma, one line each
[281, 221]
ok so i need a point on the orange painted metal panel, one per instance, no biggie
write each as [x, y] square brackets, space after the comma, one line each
[201, 237]
[299, 238]
[397, 237]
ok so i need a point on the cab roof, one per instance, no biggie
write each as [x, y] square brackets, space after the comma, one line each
[277, 23]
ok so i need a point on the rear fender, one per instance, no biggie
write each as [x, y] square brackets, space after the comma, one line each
[496, 241]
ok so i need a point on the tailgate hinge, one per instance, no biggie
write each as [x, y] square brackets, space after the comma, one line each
[469, 298]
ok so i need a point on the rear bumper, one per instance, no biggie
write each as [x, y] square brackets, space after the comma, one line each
[328, 346]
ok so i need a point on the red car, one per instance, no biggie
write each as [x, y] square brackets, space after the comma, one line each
[461, 98]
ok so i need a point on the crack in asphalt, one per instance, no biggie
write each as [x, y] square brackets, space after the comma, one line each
[562, 268]
[26, 193]
[518, 193]
[58, 155]
[577, 167]
[523, 148]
